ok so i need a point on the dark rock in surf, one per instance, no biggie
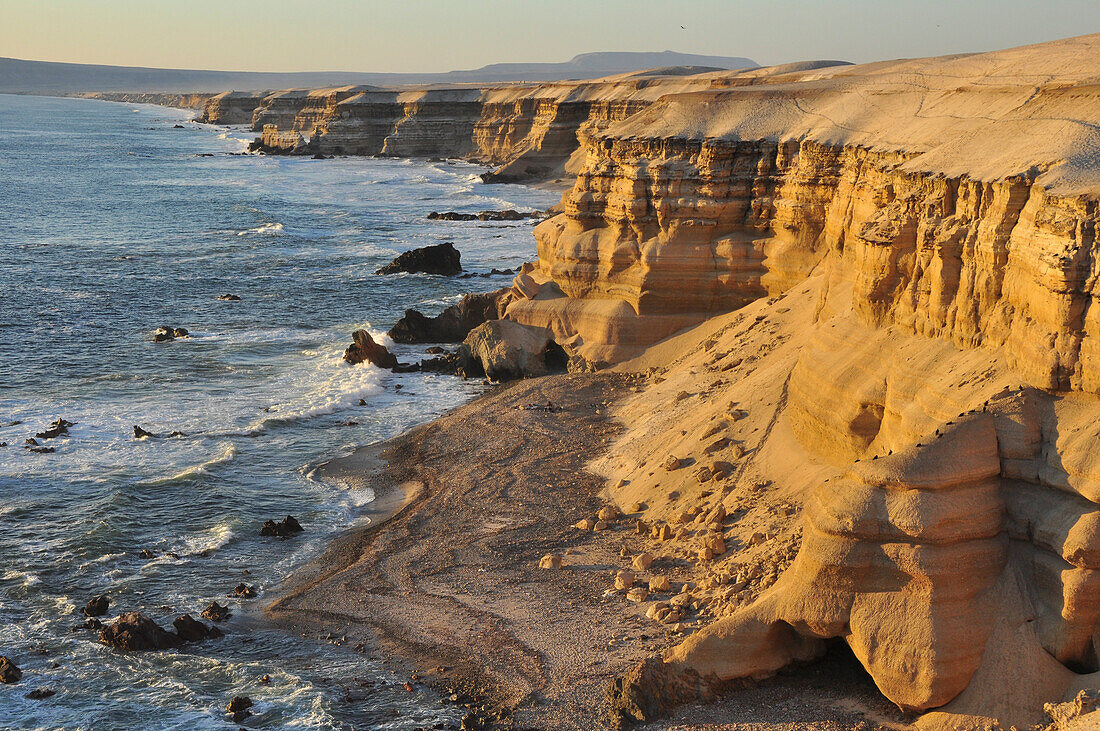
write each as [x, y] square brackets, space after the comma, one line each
[167, 333]
[228, 298]
[140, 433]
[216, 612]
[454, 323]
[508, 215]
[136, 632]
[91, 624]
[443, 259]
[97, 606]
[363, 348]
[9, 672]
[40, 694]
[238, 708]
[55, 429]
[285, 528]
[245, 591]
[190, 629]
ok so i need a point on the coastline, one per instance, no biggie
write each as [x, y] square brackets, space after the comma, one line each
[445, 582]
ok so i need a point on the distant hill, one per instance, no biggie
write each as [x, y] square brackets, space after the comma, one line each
[48, 77]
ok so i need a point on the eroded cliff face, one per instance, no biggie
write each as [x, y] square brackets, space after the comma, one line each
[890, 435]
[231, 107]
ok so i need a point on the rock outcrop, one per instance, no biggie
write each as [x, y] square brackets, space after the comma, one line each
[886, 442]
[136, 632]
[504, 350]
[442, 259]
[364, 349]
[455, 322]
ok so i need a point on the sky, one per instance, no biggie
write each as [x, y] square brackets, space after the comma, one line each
[442, 35]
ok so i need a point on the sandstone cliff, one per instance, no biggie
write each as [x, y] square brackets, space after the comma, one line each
[892, 440]
[182, 101]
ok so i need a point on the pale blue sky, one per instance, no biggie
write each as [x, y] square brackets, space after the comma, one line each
[440, 35]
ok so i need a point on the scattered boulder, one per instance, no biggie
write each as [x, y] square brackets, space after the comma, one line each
[454, 323]
[136, 632]
[659, 583]
[9, 672]
[39, 694]
[54, 430]
[190, 629]
[608, 513]
[238, 708]
[673, 463]
[504, 350]
[97, 606]
[624, 579]
[245, 591]
[285, 528]
[216, 613]
[652, 689]
[550, 561]
[443, 259]
[166, 333]
[585, 524]
[642, 561]
[228, 298]
[363, 348]
[637, 594]
[140, 433]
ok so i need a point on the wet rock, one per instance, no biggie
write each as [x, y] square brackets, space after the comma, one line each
[39, 694]
[9, 672]
[228, 298]
[190, 629]
[238, 708]
[92, 624]
[97, 606]
[41, 450]
[56, 429]
[443, 259]
[136, 632]
[245, 591]
[363, 348]
[285, 528]
[140, 433]
[507, 215]
[167, 333]
[455, 322]
[216, 613]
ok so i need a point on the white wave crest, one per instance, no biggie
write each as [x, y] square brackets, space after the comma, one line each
[274, 229]
[227, 453]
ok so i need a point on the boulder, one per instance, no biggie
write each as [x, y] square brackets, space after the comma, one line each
[39, 694]
[659, 583]
[550, 561]
[454, 323]
[190, 629]
[229, 298]
[245, 591]
[505, 350]
[140, 433]
[624, 579]
[443, 259]
[136, 632]
[285, 528]
[56, 429]
[363, 348]
[165, 333]
[97, 606]
[9, 672]
[642, 561]
[215, 613]
[238, 708]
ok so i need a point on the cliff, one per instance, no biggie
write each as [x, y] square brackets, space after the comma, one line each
[889, 439]
[529, 131]
[181, 101]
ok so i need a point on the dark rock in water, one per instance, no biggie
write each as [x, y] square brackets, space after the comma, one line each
[216, 612]
[452, 364]
[508, 215]
[41, 450]
[190, 629]
[140, 433]
[97, 606]
[177, 126]
[136, 632]
[9, 673]
[443, 259]
[349, 422]
[365, 349]
[3, 444]
[454, 323]
[31, 443]
[245, 590]
[39, 694]
[56, 429]
[146, 553]
[285, 528]
[435, 350]
[362, 402]
[166, 333]
[319, 156]
[406, 368]
[91, 624]
[238, 708]
[228, 298]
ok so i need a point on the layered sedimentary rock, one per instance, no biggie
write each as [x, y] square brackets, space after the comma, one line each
[909, 394]
[231, 107]
[181, 101]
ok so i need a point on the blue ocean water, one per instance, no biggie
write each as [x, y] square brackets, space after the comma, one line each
[113, 221]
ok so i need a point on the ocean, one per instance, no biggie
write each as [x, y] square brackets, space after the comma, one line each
[113, 222]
